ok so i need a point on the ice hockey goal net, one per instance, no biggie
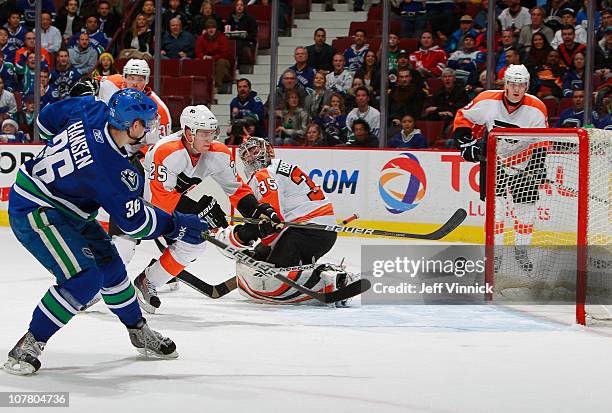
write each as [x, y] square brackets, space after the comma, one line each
[549, 217]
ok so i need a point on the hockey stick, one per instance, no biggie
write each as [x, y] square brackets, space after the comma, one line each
[453, 222]
[355, 288]
[209, 290]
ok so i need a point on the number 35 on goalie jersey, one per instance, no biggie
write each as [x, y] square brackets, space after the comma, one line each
[292, 194]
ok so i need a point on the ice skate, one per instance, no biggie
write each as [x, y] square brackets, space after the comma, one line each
[523, 259]
[151, 343]
[146, 294]
[23, 358]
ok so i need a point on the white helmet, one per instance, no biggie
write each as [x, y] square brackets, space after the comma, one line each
[137, 67]
[198, 117]
[254, 160]
[516, 74]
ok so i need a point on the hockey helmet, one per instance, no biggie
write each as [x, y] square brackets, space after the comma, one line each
[128, 105]
[256, 153]
[137, 67]
[516, 74]
[199, 118]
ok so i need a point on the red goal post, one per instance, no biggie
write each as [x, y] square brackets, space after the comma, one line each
[547, 191]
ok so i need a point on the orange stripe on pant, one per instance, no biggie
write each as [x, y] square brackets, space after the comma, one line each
[169, 264]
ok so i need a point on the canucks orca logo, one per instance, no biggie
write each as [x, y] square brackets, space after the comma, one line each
[402, 183]
[130, 179]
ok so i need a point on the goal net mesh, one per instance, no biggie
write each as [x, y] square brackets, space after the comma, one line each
[548, 193]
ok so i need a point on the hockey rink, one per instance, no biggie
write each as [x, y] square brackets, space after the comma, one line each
[239, 356]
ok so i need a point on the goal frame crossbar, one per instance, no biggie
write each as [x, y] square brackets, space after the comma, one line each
[583, 142]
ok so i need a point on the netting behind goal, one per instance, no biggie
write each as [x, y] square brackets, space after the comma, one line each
[549, 218]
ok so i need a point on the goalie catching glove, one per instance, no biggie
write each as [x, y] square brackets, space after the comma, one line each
[469, 147]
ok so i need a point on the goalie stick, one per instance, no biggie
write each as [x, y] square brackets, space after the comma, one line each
[355, 288]
[453, 222]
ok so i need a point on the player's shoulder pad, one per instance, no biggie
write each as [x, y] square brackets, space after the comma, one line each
[489, 95]
[218, 147]
[116, 79]
[531, 100]
[168, 145]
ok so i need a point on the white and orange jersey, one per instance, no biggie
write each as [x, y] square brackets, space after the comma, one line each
[169, 157]
[490, 109]
[292, 194]
[111, 84]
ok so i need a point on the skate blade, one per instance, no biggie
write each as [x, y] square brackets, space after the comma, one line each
[143, 304]
[152, 354]
[24, 369]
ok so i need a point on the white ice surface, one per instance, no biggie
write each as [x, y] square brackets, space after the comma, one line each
[237, 356]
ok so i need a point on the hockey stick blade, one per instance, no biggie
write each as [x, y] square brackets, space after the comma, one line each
[453, 222]
[209, 290]
[344, 293]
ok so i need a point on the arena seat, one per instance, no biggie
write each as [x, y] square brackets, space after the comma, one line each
[197, 67]
[409, 44]
[565, 103]
[301, 7]
[342, 43]
[375, 13]
[433, 130]
[170, 67]
[433, 84]
[263, 15]
[175, 104]
[372, 28]
[171, 85]
[552, 106]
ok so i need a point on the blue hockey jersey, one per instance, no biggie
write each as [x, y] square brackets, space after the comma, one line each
[81, 169]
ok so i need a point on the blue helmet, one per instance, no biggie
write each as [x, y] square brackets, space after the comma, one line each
[127, 105]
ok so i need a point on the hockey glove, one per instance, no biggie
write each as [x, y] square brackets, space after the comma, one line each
[212, 212]
[85, 87]
[184, 182]
[270, 222]
[187, 228]
[470, 150]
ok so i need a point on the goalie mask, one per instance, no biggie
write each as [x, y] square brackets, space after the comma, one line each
[256, 153]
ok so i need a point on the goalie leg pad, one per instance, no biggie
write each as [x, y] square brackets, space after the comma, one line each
[262, 289]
